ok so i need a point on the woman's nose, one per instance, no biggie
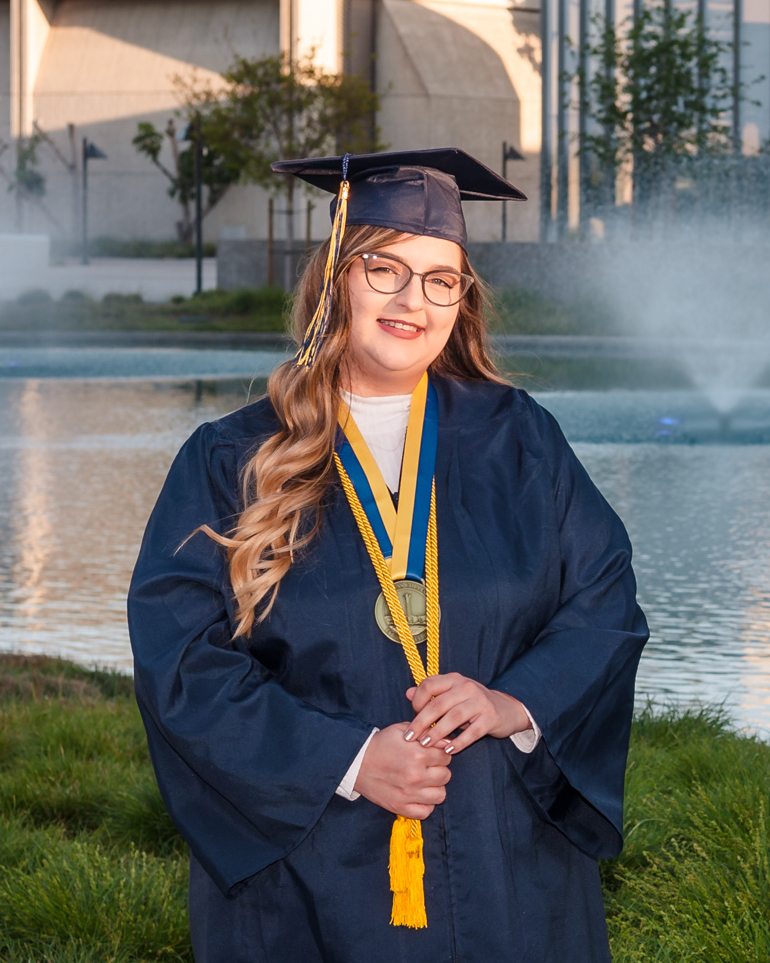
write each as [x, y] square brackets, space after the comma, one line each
[411, 297]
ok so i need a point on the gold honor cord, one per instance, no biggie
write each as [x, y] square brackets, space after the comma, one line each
[406, 864]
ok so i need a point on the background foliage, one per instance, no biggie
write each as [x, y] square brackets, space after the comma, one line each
[659, 100]
[261, 110]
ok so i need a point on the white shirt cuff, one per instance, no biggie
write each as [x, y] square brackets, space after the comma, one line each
[345, 788]
[527, 740]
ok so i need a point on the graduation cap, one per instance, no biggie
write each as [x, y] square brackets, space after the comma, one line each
[417, 192]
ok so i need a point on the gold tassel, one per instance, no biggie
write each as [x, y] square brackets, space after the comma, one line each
[316, 330]
[406, 872]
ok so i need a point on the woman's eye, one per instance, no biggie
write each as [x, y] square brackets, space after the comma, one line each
[380, 269]
[442, 281]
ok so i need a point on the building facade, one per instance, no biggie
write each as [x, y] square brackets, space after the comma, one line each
[449, 73]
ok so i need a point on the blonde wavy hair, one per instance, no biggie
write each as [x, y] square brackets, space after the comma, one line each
[283, 484]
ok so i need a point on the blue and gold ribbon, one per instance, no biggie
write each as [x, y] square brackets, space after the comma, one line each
[401, 534]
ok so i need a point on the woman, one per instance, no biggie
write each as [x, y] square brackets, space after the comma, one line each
[285, 726]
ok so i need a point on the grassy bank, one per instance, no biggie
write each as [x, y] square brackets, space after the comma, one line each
[92, 870]
[230, 311]
[693, 882]
[259, 309]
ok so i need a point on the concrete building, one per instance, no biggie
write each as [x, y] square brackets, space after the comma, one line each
[449, 72]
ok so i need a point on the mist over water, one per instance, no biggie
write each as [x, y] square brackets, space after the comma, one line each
[706, 305]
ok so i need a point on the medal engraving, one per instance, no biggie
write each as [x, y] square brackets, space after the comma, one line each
[411, 595]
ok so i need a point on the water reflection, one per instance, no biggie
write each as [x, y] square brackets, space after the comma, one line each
[81, 464]
[32, 521]
[699, 517]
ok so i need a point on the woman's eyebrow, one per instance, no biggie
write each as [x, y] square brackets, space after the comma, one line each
[436, 267]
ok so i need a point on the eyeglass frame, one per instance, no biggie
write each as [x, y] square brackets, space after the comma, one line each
[421, 275]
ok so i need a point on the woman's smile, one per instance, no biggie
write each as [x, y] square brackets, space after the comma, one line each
[400, 329]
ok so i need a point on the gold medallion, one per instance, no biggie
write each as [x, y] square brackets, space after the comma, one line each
[411, 595]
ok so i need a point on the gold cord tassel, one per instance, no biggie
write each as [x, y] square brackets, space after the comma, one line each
[406, 872]
[406, 865]
[316, 330]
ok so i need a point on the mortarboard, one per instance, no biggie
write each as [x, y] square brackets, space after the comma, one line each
[417, 192]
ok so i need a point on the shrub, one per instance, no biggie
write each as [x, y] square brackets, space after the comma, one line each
[34, 296]
[115, 298]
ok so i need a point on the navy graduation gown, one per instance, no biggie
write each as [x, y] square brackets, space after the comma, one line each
[251, 737]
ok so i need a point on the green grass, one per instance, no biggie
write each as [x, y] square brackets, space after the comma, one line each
[693, 882]
[92, 870]
[260, 309]
[91, 867]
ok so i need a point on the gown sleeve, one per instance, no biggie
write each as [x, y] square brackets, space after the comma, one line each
[577, 677]
[245, 768]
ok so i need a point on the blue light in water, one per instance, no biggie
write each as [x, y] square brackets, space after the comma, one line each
[668, 421]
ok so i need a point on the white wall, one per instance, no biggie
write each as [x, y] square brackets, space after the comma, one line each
[319, 28]
[108, 64]
[451, 74]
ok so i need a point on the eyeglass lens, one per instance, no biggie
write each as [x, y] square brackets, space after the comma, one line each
[386, 275]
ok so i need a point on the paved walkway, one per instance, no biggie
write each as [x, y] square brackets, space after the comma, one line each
[156, 279]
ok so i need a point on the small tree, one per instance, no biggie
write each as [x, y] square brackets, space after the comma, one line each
[218, 171]
[658, 100]
[27, 181]
[272, 109]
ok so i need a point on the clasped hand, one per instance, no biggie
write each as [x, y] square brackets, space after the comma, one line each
[406, 766]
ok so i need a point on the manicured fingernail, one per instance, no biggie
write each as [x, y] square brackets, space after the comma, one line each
[449, 749]
[409, 736]
[425, 741]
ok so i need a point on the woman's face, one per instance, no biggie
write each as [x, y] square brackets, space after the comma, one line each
[395, 337]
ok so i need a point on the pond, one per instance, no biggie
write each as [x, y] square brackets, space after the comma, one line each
[82, 460]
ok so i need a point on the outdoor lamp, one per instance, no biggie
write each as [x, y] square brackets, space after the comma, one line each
[90, 152]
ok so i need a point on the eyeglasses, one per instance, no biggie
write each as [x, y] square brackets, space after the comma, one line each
[388, 274]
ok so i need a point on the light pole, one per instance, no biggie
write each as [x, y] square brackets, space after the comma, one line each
[562, 120]
[546, 148]
[584, 167]
[90, 152]
[192, 132]
[509, 154]
[609, 172]
[737, 131]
